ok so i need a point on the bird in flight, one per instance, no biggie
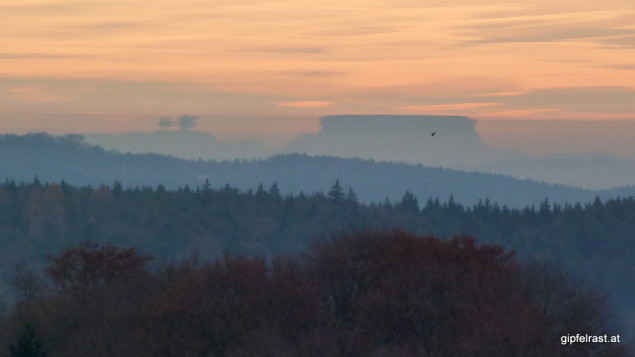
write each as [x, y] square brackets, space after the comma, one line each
[433, 133]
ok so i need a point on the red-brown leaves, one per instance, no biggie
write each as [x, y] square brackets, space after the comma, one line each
[374, 293]
[93, 265]
[396, 289]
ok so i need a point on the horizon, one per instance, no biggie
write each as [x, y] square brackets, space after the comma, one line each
[458, 146]
[535, 138]
[252, 69]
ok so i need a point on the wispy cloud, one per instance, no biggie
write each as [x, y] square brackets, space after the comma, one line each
[532, 113]
[36, 56]
[625, 41]
[287, 50]
[575, 102]
[353, 30]
[311, 74]
[35, 94]
[443, 108]
[578, 98]
[501, 94]
[306, 104]
[627, 67]
[603, 27]
[454, 86]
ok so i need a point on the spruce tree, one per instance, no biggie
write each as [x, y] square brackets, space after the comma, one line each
[336, 194]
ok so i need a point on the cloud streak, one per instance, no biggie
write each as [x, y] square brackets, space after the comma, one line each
[601, 27]
[310, 74]
[287, 50]
[444, 108]
[567, 103]
[306, 104]
[12, 56]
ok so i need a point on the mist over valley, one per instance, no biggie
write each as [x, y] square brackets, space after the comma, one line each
[407, 139]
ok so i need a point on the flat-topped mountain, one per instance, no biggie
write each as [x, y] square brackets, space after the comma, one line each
[404, 138]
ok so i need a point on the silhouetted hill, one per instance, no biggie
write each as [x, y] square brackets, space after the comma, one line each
[591, 172]
[407, 139]
[625, 191]
[71, 159]
[403, 138]
[187, 144]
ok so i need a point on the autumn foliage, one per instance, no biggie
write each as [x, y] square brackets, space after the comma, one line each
[92, 265]
[373, 293]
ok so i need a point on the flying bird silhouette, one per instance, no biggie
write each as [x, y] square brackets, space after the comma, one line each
[433, 133]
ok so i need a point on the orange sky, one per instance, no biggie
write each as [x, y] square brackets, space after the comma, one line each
[267, 68]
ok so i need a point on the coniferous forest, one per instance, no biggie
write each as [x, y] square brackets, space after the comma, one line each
[216, 271]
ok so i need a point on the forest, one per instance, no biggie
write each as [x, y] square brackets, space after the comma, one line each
[381, 293]
[593, 241]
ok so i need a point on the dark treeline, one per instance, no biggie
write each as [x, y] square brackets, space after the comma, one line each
[594, 240]
[372, 293]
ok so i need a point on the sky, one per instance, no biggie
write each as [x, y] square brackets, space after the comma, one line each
[270, 69]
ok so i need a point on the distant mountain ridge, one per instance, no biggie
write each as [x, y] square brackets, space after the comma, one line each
[589, 172]
[457, 144]
[71, 159]
[188, 144]
[402, 138]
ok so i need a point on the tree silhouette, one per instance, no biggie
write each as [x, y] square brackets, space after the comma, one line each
[27, 344]
[336, 193]
[409, 203]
